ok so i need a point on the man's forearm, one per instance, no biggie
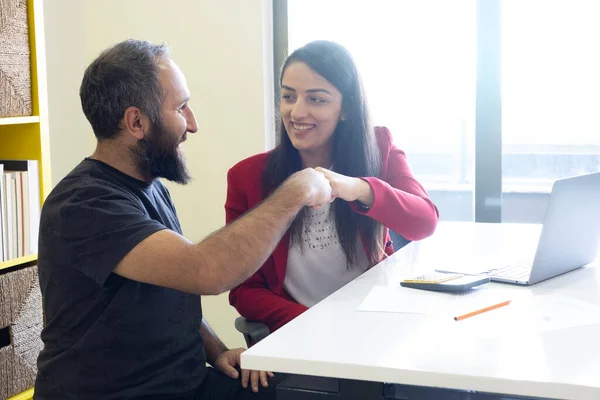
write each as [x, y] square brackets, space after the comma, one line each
[231, 255]
[213, 346]
[234, 253]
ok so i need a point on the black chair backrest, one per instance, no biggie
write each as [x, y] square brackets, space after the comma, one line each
[398, 241]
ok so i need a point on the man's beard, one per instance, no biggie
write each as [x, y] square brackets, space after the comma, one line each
[157, 155]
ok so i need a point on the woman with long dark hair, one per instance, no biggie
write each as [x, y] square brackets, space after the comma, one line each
[325, 125]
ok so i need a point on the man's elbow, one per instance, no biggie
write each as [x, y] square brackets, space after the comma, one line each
[212, 283]
[215, 287]
[211, 290]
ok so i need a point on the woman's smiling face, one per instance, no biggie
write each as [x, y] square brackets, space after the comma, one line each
[310, 108]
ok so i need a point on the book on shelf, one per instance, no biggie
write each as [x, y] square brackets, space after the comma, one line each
[19, 208]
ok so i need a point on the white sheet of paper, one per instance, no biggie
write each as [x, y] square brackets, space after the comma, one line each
[414, 301]
[527, 312]
[537, 313]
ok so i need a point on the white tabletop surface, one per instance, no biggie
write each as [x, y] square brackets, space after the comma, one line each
[335, 339]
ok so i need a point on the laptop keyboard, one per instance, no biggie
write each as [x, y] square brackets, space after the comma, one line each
[519, 270]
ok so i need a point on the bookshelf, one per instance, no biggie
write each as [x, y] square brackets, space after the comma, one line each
[15, 262]
[27, 137]
[19, 120]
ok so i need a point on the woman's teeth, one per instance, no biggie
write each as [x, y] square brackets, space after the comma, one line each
[303, 127]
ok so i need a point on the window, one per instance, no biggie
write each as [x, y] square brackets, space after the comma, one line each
[550, 86]
[427, 82]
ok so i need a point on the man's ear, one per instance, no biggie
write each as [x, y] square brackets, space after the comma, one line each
[135, 122]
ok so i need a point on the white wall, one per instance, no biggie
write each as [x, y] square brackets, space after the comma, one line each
[71, 138]
[225, 50]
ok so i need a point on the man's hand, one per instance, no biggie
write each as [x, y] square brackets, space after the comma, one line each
[348, 188]
[310, 185]
[227, 362]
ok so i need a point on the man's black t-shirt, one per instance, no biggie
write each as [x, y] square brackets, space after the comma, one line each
[106, 336]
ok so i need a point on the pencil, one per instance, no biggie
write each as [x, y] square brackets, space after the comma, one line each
[482, 310]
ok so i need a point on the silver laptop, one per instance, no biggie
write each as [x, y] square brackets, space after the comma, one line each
[570, 236]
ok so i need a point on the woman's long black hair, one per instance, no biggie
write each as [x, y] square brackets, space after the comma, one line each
[355, 151]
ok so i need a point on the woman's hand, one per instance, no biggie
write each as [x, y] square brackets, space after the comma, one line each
[228, 362]
[348, 188]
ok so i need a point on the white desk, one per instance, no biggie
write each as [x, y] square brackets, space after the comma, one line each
[334, 339]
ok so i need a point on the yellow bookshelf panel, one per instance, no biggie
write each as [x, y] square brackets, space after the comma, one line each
[26, 395]
[18, 261]
[19, 120]
[27, 137]
[21, 141]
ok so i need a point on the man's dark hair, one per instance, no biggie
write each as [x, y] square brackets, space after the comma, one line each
[122, 76]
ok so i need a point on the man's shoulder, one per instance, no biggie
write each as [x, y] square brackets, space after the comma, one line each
[80, 189]
[85, 179]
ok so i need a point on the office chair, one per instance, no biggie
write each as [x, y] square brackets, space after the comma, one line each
[398, 240]
[254, 331]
